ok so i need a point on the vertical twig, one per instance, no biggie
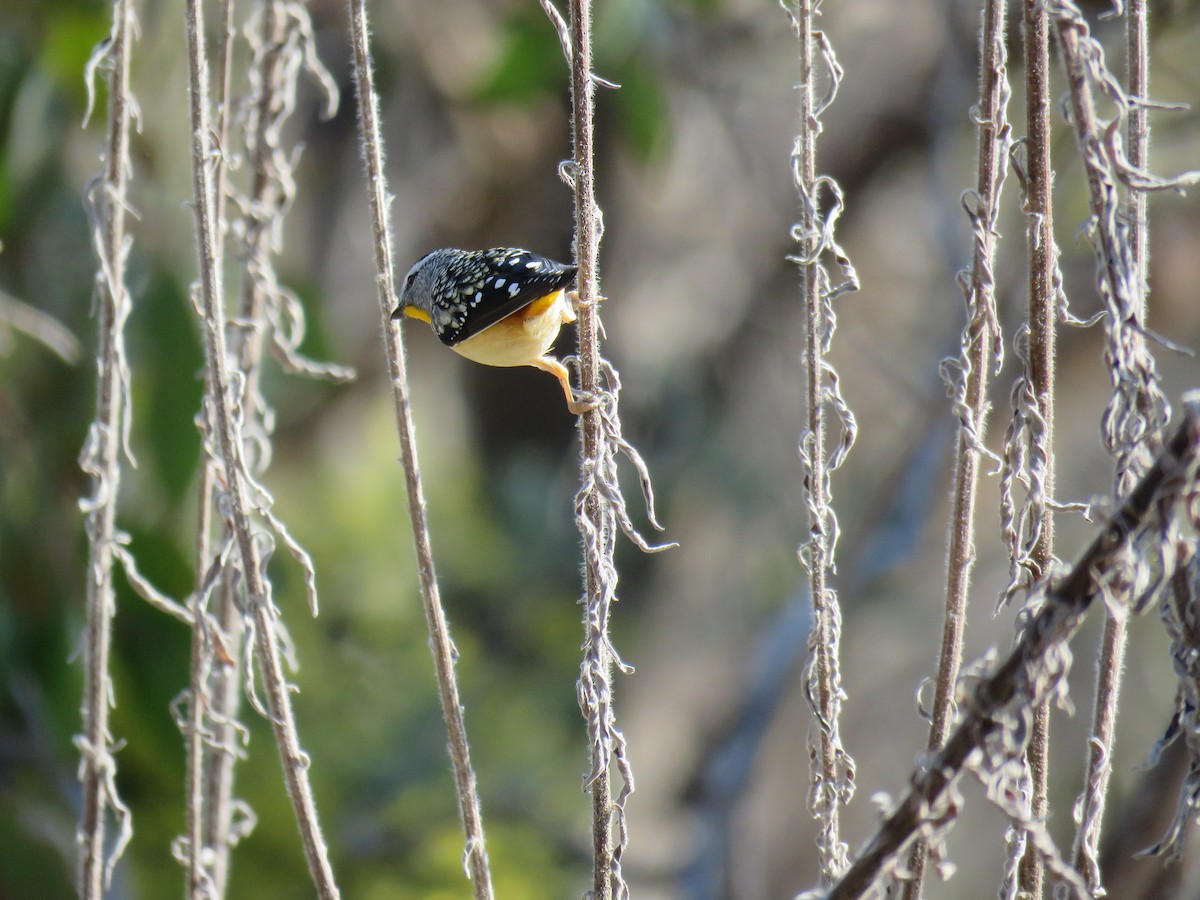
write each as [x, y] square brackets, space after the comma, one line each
[596, 527]
[1039, 407]
[475, 857]
[100, 459]
[1138, 411]
[600, 507]
[199, 875]
[1181, 610]
[1090, 807]
[221, 747]
[1112, 643]
[968, 379]
[268, 316]
[209, 735]
[825, 794]
[831, 767]
[1137, 136]
[823, 675]
[294, 761]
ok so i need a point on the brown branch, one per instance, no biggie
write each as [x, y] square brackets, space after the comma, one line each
[596, 673]
[600, 507]
[294, 761]
[1027, 675]
[831, 779]
[101, 460]
[435, 616]
[209, 780]
[980, 350]
[824, 672]
[1137, 412]
[1041, 252]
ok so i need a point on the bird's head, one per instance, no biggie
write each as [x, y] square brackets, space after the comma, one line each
[416, 297]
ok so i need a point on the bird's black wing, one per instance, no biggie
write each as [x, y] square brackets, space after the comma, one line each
[505, 281]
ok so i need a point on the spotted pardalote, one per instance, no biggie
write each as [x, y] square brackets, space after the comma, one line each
[499, 307]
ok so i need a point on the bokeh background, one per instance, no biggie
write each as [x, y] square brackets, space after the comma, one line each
[704, 324]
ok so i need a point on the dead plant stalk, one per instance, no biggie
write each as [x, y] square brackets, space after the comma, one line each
[101, 460]
[475, 858]
[980, 352]
[294, 761]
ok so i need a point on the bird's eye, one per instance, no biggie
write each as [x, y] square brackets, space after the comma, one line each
[409, 280]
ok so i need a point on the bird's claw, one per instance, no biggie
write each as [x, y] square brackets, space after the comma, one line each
[579, 304]
[583, 402]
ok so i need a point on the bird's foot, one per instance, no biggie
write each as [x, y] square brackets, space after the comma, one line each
[576, 303]
[583, 402]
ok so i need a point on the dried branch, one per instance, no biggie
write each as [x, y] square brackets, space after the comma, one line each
[100, 459]
[213, 697]
[1138, 411]
[280, 36]
[592, 514]
[832, 768]
[475, 855]
[236, 506]
[994, 729]
[201, 881]
[600, 507]
[967, 378]
[1028, 458]
[270, 315]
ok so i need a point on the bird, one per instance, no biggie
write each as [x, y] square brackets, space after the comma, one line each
[498, 307]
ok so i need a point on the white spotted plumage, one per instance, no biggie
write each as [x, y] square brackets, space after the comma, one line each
[499, 307]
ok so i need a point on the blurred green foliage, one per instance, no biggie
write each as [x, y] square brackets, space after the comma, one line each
[530, 65]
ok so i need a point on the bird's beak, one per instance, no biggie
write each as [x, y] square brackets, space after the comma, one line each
[398, 313]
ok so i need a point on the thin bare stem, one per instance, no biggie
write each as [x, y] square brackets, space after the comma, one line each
[1038, 408]
[281, 39]
[294, 761]
[600, 507]
[1138, 411]
[199, 876]
[1137, 135]
[825, 780]
[208, 844]
[221, 747]
[1090, 808]
[595, 685]
[100, 459]
[1144, 524]
[968, 380]
[831, 767]
[475, 858]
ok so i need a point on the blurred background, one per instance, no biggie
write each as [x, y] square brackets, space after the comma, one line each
[703, 323]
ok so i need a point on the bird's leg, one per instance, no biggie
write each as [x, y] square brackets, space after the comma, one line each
[559, 371]
[576, 303]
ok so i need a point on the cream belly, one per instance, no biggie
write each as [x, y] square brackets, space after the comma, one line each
[522, 337]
